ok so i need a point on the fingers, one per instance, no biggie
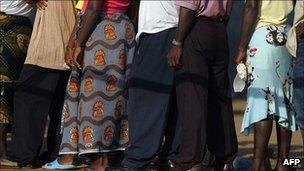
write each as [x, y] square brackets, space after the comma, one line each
[169, 61]
[69, 57]
[77, 58]
[174, 57]
[41, 5]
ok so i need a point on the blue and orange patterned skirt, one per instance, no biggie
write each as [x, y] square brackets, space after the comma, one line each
[95, 118]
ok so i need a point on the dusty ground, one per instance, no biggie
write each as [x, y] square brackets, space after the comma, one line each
[246, 143]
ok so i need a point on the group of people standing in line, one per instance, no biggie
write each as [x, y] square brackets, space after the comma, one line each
[148, 78]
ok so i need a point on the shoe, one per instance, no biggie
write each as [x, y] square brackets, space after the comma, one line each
[120, 169]
[228, 167]
[198, 167]
[4, 163]
[55, 165]
[159, 166]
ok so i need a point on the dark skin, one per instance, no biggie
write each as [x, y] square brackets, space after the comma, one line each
[186, 19]
[262, 129]
[40, 4]
[300, 31]
[75, 53]
[250, 15]
[75, 49]
[133, 10]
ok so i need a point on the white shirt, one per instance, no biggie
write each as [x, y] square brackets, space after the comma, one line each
[156, 16]
[16, 7]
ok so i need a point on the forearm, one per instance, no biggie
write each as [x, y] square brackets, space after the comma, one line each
[186, 19]
[89, 19]
[87, 22]
[72, 39]
[133, 11]
[250, 14]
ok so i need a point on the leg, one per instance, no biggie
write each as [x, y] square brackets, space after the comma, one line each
[150, 88]
[32, 101]
[3, 133]
[298, 74]
[284, 139]
[262, 132]
[169, 150]
[55, 114]
[192, 99]
[100, 162]
[221, 134]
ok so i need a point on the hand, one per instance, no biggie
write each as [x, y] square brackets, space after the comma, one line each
[68, 57]
[174, 57]
[41, 4]
[78, 57]
[300, 31]
[241, 57]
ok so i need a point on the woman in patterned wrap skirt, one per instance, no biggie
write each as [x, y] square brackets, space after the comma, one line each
[15, 32]
[94, 114]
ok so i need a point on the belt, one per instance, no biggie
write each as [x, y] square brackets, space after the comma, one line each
[220, 19]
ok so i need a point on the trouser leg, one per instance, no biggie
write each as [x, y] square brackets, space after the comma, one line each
[32, 101]
[54, 137]
[149, 97]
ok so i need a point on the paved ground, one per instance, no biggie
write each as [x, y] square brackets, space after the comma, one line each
[246, 143]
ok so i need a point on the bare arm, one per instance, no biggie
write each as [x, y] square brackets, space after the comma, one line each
[89, 20]
[84, 26]
[186, 19]
[250, 15]
[133, 11]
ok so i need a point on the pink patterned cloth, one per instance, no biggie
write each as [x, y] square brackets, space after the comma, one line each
[111, 6]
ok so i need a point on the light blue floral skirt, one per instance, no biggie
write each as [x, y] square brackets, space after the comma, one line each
[269, 79]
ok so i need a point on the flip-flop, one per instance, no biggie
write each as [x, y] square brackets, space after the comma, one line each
[55, 165]
[8, 163]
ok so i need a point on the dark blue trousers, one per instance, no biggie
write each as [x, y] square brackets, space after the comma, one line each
[299, 85]
[152, 108]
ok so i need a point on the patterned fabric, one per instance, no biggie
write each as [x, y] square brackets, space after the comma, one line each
[15, 32]
[94, 114]
[270, 81]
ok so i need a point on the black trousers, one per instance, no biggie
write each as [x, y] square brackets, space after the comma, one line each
[204, 96]
[151, 107]
[40, 93]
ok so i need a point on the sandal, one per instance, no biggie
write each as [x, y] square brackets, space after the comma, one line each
[4, 163]
[55, 165]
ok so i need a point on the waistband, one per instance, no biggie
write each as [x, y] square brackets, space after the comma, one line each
[218, 19]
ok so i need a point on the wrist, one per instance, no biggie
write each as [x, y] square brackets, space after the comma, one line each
[242, 49]
[79, 45]
[177, 43]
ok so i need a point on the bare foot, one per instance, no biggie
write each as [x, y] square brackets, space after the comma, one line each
[100, 163]
[66, 159]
